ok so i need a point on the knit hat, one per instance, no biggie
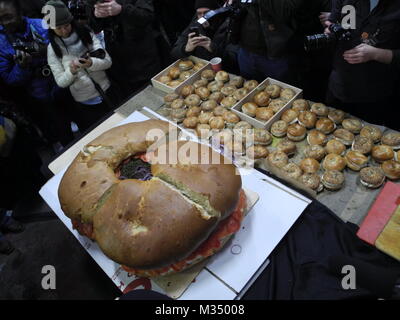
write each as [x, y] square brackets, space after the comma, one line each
[211, 4]
[63, 15]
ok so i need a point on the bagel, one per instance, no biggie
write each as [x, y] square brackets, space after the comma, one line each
[185, 75]
[185, 65]
[174, 73]
[237, 81]
[216, 96]
[208, 75]
[273, 90]
[239, 94]
[165, 79]
[222, 76]
[250, 85]
[193, 100]
[187, 90]
[215, 86]
[228, 90]
[143, 224]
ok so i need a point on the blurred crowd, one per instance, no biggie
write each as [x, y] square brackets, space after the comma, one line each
[62, 73]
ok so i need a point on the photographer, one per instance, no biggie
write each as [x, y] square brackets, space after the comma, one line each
[74, 66]
[266, 39]
[130, 41]
[196, 40]
[23, 65]
[365, 77]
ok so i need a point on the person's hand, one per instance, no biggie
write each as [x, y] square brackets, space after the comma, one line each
[205, 43]
[22, 58]
[324, 18]
[193, 42]
[361, 54]
[327, 25]
[74, 67]
[85, 63]
[99, 12]
[110, 8]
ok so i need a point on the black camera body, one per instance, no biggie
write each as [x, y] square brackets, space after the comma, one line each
[78, 9]
[323, 41]
[215, 18]
[31, 47]
[195, 30]
[99, 54]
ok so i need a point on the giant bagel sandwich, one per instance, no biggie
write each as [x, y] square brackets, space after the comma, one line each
[153, 223]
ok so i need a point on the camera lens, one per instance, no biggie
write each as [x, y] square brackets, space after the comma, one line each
[318, 41]
[46, 72]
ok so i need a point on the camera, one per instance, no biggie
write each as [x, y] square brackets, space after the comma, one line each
[78, 9]
[99, 54]
[323, 41]
[195, 30]
[29, 47]
[234, 12]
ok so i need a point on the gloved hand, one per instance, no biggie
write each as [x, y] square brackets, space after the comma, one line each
[23, 59]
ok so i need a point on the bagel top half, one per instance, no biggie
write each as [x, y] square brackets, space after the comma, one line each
[149, 224]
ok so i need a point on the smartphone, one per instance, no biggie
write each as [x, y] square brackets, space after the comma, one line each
[195, 30]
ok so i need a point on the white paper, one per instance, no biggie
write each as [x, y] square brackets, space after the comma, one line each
[208, 287]
[262, 229]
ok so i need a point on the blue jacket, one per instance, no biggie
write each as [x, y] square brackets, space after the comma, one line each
[12, 74]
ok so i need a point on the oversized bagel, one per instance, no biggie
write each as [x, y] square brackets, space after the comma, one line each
[143, 225]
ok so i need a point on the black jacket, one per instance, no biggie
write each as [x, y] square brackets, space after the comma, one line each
[218, 42]
[371, 81]
[130, 41]
[278, 24]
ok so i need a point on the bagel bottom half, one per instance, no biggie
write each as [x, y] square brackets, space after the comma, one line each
[215, 242]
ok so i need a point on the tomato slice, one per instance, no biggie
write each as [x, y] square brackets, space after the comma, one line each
[85, 229]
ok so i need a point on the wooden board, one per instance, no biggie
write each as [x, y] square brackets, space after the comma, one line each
[380, 213]
[389, 239]
[176, 284]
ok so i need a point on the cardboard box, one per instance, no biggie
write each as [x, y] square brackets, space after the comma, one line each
[249, 98]
[164, 88]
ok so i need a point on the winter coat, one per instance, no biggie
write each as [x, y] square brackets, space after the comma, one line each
[277, 19]
[371, 81]
[29, 78]
[80, 84]
[130, 40]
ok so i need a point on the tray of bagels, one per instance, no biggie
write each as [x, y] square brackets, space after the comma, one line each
[308, 144]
